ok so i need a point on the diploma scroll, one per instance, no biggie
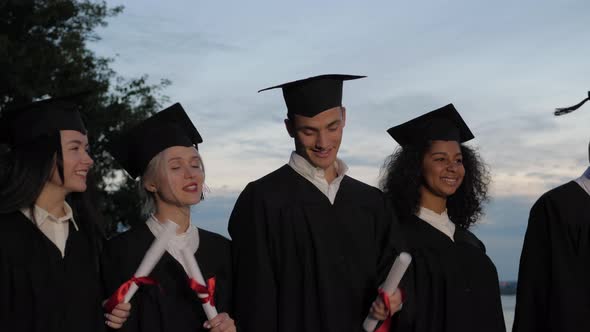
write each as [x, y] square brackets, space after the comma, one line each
[390, 285]
[149, 261]
[206, 290]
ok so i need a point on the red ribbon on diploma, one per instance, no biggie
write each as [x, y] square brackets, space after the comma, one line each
[208, 290]
[385, 298]
[120, 293]
[387, 323]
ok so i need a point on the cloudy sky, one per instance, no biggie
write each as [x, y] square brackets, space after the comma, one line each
[504, 64]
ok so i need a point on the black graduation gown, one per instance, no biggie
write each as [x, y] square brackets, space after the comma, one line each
[452, 286]
[172, 305]
[554, 276]
[303, 264]
[41, 291]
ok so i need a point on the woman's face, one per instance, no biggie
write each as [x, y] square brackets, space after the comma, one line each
[76, 162]
[442, 168]
[181, 177]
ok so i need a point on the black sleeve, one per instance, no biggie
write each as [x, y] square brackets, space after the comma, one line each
[532, 307]
[389, 239]
[112, 276]
[255, 295]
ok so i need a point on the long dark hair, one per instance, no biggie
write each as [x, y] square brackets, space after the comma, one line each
[24, 170]
[401, 179]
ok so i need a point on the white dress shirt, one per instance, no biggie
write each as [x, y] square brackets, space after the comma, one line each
[316, 175]
[584, 180]
[438, 221]
[188, 239]
[56, 229]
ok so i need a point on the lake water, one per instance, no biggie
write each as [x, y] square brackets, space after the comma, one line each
[508, 303]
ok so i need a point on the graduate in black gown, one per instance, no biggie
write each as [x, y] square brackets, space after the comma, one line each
[553, 291]
[49, 237]
[437, 186]
[162, 151]
[310, 244]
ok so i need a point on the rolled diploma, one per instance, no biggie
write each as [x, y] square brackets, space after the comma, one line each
[152, 256]
[390, 285]
[194, 272]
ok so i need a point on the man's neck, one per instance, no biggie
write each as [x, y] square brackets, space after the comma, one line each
[330, 173]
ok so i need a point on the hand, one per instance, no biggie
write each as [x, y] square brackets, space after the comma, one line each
[221, 323]
[118, 316]
[380, 312]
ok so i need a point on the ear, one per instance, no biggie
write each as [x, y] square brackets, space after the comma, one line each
[290, 126]
[151, 187]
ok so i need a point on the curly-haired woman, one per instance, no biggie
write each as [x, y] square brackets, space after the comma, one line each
[437, 186]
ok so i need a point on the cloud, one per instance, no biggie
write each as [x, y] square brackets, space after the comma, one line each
[504, 64]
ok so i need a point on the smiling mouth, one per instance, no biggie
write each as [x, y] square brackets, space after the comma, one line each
[322, 153]
[450, 181]
[82, 173]
[193, 187]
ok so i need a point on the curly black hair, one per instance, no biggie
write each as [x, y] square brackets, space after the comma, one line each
[401, 179]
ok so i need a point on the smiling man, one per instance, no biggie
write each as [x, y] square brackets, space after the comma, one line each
[310, 244]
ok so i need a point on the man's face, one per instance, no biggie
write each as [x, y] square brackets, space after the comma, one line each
[317, 139]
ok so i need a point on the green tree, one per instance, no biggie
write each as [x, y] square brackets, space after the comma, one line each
[44, 52]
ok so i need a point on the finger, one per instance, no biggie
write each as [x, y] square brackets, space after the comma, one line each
[123, 306]
[113, 325]
[215, 321]
[226, 325]
[120, 313]
[115, 319]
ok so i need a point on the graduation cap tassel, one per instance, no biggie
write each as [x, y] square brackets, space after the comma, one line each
[566, 110]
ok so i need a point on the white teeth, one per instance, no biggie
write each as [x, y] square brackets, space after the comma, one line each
[82, 173]
[191, 187]
[449, 181]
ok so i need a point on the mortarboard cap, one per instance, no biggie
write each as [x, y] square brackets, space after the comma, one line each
[24, 123]
[443, 124]
[135, 148]
[313, 95]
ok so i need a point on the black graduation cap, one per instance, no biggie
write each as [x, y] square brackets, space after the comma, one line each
[24, 123]
[443, 124]
[313, 95]
[135, 148]
[565, 110]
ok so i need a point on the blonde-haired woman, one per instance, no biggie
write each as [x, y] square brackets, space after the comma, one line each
[162, 151]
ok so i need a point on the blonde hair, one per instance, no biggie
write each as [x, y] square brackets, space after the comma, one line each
[153, 173]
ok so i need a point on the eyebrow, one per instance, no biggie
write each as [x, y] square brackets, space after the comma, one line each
[444, 153]
[334, 122]
[317, 129]
[180, 158]
[76, 141]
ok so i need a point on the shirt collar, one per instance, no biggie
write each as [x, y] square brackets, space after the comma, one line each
[41, 215]
[305, 168]
[425, 213]
[584, 180]
[438, 221]
[188, 239]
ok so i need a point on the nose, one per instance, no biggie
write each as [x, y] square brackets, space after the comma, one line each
[190, 172]
[87, 159]
[321, 140]
[452, 166]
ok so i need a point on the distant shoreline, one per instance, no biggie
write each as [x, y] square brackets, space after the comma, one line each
[508, 287]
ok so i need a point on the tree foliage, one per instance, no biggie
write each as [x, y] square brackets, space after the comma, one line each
[44, 52]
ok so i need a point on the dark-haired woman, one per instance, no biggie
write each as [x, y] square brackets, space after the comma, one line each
[437, 186]
[49, 278]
